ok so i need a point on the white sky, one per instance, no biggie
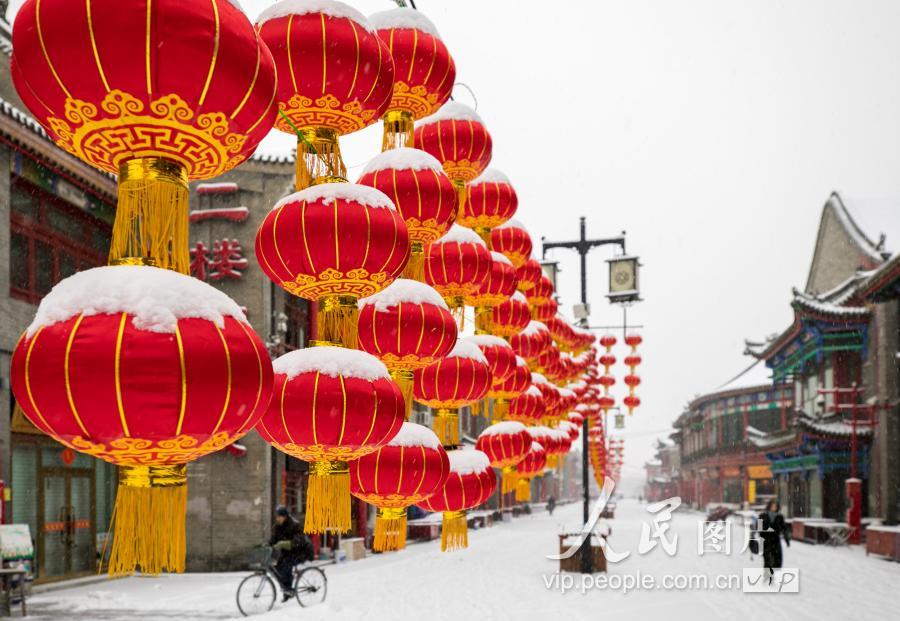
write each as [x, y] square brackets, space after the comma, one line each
[712, 131]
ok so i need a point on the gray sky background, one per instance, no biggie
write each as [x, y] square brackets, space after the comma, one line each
[712, 131]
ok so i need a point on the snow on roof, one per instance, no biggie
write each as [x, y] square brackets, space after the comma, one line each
[403, 158]
[466, 348]
[451, 111]
[501, 258]
[820, 305]
[512, 223]
[403, 17]
[328, 193]
[461, 235]
[332, 8]
[757, 374]
[156, 298]
[412, 434]
[404, 290]
[506, 427]
[867, 220]
[491, 175]
[468, 461]
[331, 361]
[489, 340]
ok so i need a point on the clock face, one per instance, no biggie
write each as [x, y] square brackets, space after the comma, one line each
[621, 276]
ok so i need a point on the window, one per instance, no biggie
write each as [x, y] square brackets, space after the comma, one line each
[49, 240]
[297, 312]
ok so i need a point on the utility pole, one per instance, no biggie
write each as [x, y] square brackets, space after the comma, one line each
[583, 246]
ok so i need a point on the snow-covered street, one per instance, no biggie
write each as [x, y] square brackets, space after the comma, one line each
[504, 575]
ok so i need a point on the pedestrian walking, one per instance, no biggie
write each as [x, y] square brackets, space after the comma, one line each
[772, 529]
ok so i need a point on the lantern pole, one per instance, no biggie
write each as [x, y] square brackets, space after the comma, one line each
[583, 245]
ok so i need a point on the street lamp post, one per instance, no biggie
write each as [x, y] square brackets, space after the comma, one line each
[583, 245]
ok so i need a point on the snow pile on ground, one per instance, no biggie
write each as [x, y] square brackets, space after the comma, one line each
[451, 111]
[403, 158]
[329, 193]
[403, 17]
[404, 290]
[412, 434]
[331, 361]
[332, 8]
[156, 298]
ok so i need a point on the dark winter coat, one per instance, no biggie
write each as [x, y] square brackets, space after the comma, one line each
[290, 530]
[771, 530]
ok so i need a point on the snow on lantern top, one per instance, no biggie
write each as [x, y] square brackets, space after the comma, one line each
[411, 435]
[403, 17]
[156, 298]
[461, 235]
[468, 461]
[328, 193]
[506, 427]
[465, 348]
[404, 290]
[491, 175]
[332, 8]
[331, 361]
[403, 158]
[451, 111]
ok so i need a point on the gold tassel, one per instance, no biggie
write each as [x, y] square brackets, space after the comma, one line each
[148, 520]
[478, 407]
[457, 306]
[485, 234]
[461, 197]
[501, 410]
[319, 157]
[404, 380]
[328, 497]
[415, 269]
[398, 130]
[390, 530]
[151, 224]
[454, 531]
[483, 316]
[552, 461]
[508, 479]
[446, 426]
[523, 490]
[337, 320]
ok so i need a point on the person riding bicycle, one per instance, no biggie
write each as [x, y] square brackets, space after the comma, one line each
[294, 547]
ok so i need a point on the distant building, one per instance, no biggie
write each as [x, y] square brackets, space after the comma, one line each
[719, 461]
[663, 472]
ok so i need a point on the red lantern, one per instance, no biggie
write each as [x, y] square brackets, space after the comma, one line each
[633, 340]
[532, 341]
[576, 417]
[559, 445]
[547, 439]
[512, 239]
[462, 378]
[147, 369]
[607, 381]
[510, 316]
[532, 465]
[529, 275]
[421, 192]
[569, 428]
[491, 201]
[514, 385]
[496, 288]
[632, 381]
[332, 405]
[549, 392]
[157, 97]
[606, 402]
[547, 363]
[528, 407]
[541, 293]
[335, 77]
[545, 311]
[333, 243]
[470, 483]
[632, 360]
[500, 356]
[505, 444]
[425, 72]
[404, 472]
[608, 341]
[456, 136]
[407, 326]
[631, 402]
[607, 360]
[456, 265]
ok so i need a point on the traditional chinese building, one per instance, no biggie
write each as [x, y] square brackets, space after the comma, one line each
[662, 472]
[839, 357]
[719, 462]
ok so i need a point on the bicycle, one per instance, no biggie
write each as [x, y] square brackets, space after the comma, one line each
[258, 592]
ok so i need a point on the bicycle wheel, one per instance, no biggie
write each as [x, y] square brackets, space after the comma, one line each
[311, 586]
[256, 594]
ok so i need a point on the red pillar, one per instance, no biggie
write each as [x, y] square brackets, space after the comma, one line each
[854, 509]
